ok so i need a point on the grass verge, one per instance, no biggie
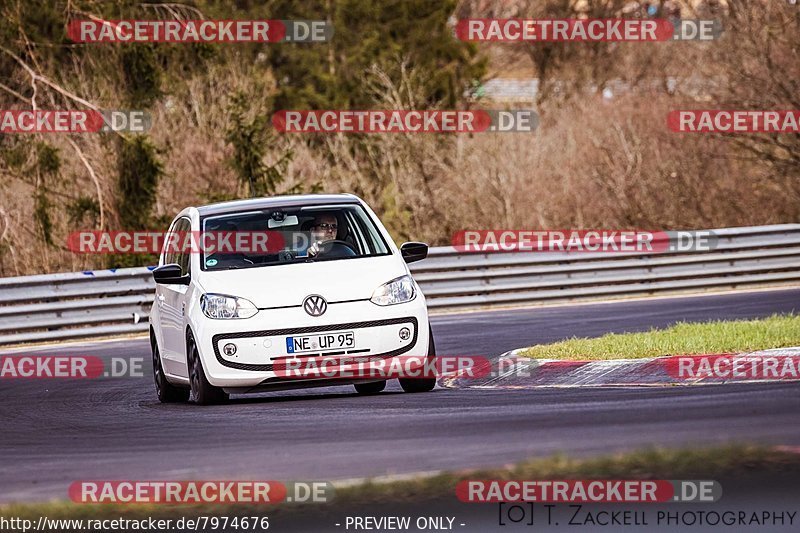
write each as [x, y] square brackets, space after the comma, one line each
[737, 336]
[706, 463]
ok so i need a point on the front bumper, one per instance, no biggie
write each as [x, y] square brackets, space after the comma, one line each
[261, 349]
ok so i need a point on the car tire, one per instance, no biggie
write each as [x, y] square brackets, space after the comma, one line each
[370, 388]
[166, 391]
[201, 392]
[425, 384]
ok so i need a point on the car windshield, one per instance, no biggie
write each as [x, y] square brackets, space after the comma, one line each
[291, 235]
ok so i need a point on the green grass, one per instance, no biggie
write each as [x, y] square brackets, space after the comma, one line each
[703, 463]
[652, 463]
[777, 331]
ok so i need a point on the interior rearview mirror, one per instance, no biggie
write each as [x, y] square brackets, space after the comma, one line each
[290, 220]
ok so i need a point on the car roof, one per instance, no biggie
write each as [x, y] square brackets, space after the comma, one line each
[298, 200]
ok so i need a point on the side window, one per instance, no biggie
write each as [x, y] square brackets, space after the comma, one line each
[368, 238]
[182, 256]
[168, 257]
[355, 234]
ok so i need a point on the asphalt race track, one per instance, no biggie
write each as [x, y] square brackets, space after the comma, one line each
[55, 432]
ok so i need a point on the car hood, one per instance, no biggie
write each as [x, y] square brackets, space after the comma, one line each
[288, 285]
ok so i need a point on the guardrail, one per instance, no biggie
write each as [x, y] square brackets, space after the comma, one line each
[101, 303]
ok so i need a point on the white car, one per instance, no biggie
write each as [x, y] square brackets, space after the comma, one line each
[337, 286]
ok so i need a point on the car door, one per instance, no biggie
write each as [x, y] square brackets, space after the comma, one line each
[171, 300]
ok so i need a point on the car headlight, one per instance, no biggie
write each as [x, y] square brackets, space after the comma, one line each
[397, 291]
[222, 306]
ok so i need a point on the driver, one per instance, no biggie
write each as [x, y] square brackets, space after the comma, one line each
[325, 228]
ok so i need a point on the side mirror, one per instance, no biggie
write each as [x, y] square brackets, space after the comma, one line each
[170, 275]
[414, 251]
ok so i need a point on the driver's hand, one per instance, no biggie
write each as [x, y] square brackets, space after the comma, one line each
[313, 249]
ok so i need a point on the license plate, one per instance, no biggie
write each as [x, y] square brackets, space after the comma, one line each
[322, 342]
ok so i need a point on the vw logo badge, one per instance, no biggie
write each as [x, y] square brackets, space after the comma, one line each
[315, 305]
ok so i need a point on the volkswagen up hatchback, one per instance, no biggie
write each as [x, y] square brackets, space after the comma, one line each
[329, 283]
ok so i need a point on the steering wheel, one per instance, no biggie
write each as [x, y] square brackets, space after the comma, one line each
[326, 247]
[286, 255]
